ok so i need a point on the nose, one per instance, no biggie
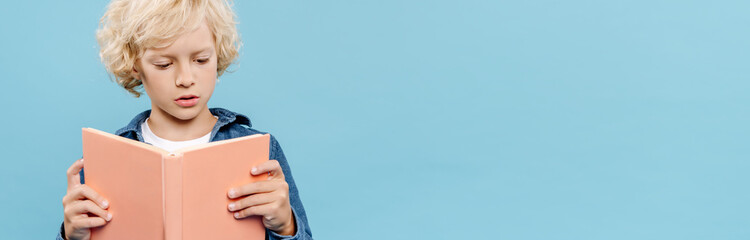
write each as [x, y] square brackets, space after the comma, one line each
[185, 76]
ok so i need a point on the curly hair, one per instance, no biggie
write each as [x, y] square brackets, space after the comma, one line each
[129, 27]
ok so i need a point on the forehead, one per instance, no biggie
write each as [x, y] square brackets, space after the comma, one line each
[197, 40]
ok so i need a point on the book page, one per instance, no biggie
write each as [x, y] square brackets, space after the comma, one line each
[208, 174]
[129, 176]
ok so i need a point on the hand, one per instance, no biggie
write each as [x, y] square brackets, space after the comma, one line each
[84, 208]
[268, 198]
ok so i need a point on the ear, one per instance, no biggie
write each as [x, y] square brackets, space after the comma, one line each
[135, 73]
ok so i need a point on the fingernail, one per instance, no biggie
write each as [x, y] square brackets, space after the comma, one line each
[232, 192]
[81, 159]
[231, 206]
[254, 170]
[236, 215]
[109, 216]
[105, 204]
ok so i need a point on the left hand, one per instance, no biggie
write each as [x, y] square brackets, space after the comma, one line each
[268, 198]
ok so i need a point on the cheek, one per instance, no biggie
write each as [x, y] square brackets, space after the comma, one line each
[156, 75]
[155, 82]
[208, 73]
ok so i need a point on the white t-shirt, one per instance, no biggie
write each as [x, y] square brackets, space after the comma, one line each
[170, 146]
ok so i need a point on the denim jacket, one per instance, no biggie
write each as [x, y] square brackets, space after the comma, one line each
[232, 125]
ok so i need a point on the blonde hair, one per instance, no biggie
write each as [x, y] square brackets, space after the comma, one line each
[129, 27]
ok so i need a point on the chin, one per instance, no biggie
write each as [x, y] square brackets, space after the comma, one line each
[185, 113]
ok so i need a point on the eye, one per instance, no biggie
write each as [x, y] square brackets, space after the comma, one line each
[163, 66]
[202, 60]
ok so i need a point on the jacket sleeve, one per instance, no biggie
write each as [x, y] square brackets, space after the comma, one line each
[303, 228]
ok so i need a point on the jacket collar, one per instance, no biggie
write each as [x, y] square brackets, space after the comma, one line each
[225, 117]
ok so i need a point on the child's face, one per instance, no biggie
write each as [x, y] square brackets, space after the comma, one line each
[180, 78]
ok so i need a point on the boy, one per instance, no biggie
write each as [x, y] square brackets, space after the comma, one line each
[177, 49]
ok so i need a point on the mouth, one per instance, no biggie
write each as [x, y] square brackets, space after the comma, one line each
[187, 100]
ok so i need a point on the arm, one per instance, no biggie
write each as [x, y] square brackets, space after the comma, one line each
[300, 217]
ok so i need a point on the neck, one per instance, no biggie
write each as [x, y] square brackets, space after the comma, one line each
[171, 128]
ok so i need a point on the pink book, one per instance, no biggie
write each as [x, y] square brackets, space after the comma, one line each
[154, 194]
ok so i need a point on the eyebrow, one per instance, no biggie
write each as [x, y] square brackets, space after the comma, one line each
[172, 56]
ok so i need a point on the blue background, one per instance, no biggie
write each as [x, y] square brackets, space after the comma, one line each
[433, 119]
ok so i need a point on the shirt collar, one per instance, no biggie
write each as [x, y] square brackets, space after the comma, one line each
[225, 117]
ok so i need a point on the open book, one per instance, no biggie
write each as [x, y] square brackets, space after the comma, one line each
[154, 194]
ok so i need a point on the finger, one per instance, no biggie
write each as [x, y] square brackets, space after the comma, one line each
[259, 210]
[249, 201]
[74, 176]
[271, 167]
[85, 207]
[87, 222]
[253, 188]
[84, 192]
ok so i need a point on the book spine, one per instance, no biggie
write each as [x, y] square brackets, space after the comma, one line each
[172, 200]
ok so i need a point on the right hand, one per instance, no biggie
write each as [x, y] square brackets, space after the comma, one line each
[84, 208]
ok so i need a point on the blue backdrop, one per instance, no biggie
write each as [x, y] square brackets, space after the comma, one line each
[433, 119]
